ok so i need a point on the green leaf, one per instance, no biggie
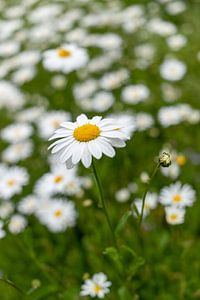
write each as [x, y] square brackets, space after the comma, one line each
[124, 294]
[132, 261]
[113, 254]
[122, 222]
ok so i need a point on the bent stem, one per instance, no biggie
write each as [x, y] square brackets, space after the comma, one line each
[103, 202]
[146, 191]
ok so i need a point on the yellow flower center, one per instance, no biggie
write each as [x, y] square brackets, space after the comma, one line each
[97, 288]
[64, 53]
[86, 133]
[58, 179]
[57, 213]
[177, 198]
[181, 159]
[173, 217]
[11, 182]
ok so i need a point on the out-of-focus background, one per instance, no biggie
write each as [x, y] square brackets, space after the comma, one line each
[143, 69]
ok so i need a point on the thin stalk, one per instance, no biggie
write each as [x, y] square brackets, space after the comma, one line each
[12, 284]
[103, 202]
[146, 191]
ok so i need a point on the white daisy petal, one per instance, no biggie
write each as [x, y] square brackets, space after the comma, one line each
[86, 157]
[95, 149]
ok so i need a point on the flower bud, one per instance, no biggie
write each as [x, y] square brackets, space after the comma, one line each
[165, 159]
[35, 283]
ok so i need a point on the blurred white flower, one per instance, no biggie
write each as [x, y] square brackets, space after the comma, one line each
[50, 121]
[170, 92]
[59, 82]
[6, 209]
[161, 27]
[134, 94]
[17, 224]
[173, 69]
[16, 133]
[175, 7]
[97, 286]
[172, 171]
[176, 42]
[10, 97]
[85, 90]
[113, 80]
[100, 102]
[23, 75]
[66, 59]
[151, 202]
[30, 115]
[60, 180]
[169, 115]
[12, 182]
[57, 214]
[9, 48]
[174, 215]
[16, 152]
[143, 121]
[122, 195]
[28, 205]
[177, 195]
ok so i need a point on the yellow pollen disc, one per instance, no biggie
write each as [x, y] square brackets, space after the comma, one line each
[64, 53]
[181, 160]
[57, 213]
[177, 198]
[97, 288]
[173, 217]
[86, 133]
[58, 179]
[11, 182]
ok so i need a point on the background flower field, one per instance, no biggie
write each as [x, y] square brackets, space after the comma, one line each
[140, 66]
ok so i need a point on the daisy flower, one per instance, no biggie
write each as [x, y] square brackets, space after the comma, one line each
[12, 182]
[56, 214]
[86, 138]
[97, 286]
[174, 215]
[50, 121]
[66, 58]
[16, 133]
[177, 195]
[173, 69]
[16, 152]
[150, 203]
[17, 224]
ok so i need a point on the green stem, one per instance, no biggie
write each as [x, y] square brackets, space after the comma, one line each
[146, 191]
[103, 203]
[13, 285]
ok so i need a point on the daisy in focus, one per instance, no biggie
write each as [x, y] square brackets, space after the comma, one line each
[97, 286]
[66, 58]
[85, 138]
